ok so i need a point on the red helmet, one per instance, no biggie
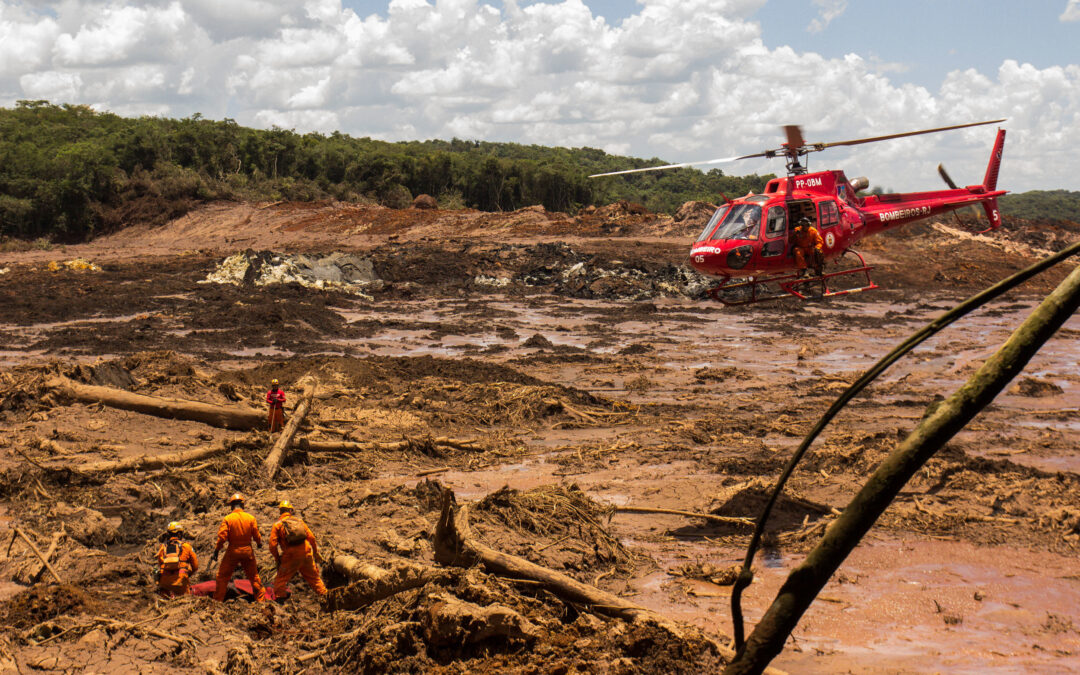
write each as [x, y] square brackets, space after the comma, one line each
[236, 497]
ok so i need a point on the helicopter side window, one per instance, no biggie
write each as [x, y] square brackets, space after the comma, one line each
[776, 224]
[743, 221]
[716, 218]
[828, 214]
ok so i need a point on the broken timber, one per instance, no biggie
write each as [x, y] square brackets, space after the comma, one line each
[41, 557]
[728, 520]
[225, 417]
[940, 423]
[393, 446]
[277, 454]
[371, 583]
[454, 545]
[149, 462]
[53, 545]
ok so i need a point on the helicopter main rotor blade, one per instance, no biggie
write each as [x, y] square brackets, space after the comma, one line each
[822, 146]
[672, 166]
[796, 146]
[794, 136]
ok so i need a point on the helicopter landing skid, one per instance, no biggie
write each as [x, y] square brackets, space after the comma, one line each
[790, 285]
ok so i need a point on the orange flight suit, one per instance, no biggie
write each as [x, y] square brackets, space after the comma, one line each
[276, 417]
[293, 559]
[172, 583]
[238, 529]
[807, 247]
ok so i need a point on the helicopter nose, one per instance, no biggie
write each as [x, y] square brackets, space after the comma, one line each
[718, 258]
[706, 258]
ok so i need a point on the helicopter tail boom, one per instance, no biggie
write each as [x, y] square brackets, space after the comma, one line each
[993, 215]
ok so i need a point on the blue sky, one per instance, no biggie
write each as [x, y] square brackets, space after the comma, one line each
[929, 39]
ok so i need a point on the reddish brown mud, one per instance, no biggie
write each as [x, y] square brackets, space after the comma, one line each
[578, 359]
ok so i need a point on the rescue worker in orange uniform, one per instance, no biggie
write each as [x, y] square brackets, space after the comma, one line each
[275, 398]
[238, 529]
[807, 247]
[293, 546]
[177, 562]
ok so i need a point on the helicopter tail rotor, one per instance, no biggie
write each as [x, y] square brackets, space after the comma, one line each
[946, 177]
[952, 184]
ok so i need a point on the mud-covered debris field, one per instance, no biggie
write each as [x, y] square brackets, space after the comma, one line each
[513, 383]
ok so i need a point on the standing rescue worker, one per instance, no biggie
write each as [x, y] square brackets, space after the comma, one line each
[276, 399]
[238, 529]
[177, 562]
[298, 552]
[808, 246]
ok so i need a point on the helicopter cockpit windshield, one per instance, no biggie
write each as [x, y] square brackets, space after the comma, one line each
[716, 218]
[743, 221]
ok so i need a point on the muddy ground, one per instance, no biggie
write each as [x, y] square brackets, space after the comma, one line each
[578, 358]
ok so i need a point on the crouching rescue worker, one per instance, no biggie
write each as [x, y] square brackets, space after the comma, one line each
[177, 562]
[808, 246]
[293, 546]
[275, 398]
[238, 529]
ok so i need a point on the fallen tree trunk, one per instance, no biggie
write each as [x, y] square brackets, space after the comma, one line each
[729, 520]
[149, 462]
[392, 446]
[374, 583]
[454, 545]
[277, 454]
[355, 569]
[225, 417]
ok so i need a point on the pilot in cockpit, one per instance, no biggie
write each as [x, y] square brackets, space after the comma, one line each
[751, 224]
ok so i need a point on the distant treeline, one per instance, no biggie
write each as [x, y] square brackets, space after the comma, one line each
[1043, 205]
[69, 172]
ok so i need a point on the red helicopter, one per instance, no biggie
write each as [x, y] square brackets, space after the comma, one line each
[749, 243]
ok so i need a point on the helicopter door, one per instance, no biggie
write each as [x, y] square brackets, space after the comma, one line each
[804, 208]
[828, 219]
[775, 232]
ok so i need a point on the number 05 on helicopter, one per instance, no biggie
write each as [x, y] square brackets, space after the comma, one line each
[753, 246]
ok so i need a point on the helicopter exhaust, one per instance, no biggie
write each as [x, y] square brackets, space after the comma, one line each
[860, 183]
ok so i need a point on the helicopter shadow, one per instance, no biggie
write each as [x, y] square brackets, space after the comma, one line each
[790, 515]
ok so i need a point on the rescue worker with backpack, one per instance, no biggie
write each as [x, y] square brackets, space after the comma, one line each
[238, 529]
[294, 549]
[177, 562]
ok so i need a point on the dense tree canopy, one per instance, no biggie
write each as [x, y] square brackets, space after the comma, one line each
[69, 172]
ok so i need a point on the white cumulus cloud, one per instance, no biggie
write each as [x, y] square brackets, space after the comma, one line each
[1072, 11]
[827, 11]
[678, 79]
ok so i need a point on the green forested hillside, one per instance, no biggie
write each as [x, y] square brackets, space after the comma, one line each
[70, 172]
[1054, 205]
